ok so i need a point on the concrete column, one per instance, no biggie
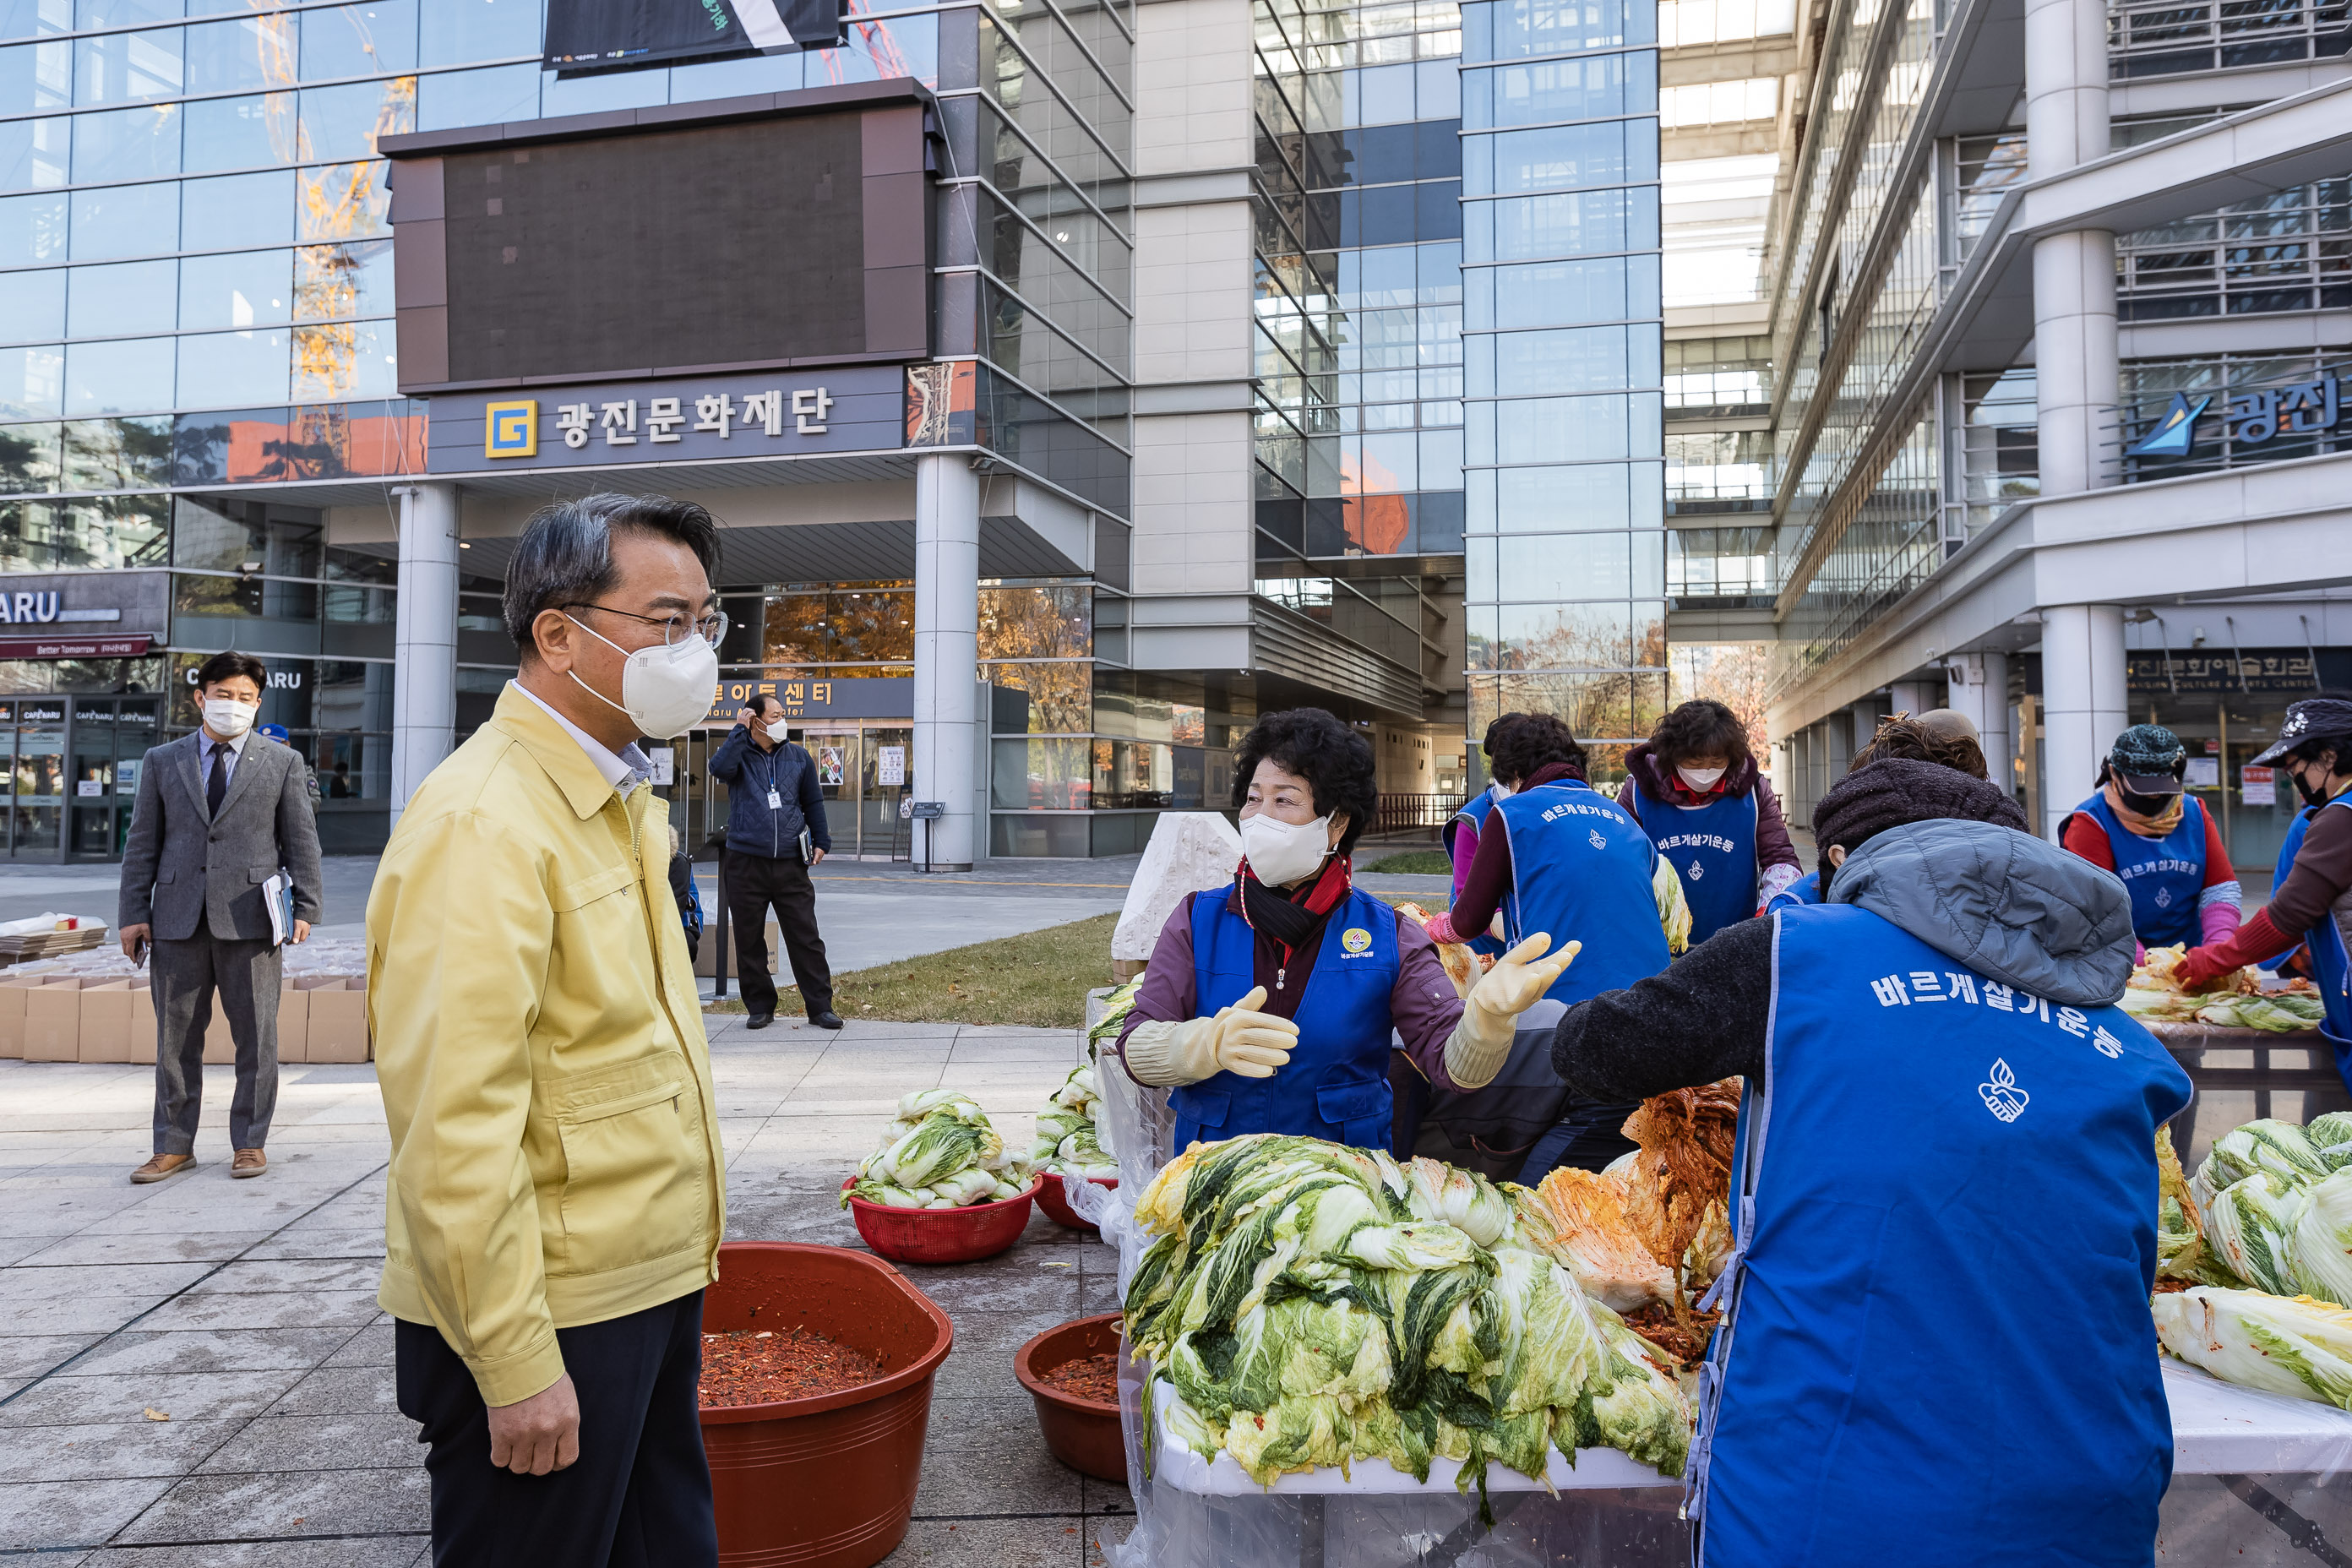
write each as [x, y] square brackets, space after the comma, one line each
[2074, 351]
[946, 657]
[1980, 690]
[2084, 701]
[1916, 697]
[425, 638]
[1864, 717]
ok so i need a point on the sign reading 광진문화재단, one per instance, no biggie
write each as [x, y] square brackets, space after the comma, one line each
[751, 413]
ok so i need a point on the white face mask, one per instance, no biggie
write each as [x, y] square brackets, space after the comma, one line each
[665, 687]
[1283, 852]
[1700, 780]
[228, 718]
[1502, 789]
[777, 733]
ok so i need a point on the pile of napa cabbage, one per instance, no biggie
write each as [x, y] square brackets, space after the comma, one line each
[940, 1153]
[1311, 1304]
[1072, 1140]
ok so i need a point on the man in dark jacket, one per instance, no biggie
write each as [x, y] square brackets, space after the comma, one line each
[776, 832]
[1942, 1100]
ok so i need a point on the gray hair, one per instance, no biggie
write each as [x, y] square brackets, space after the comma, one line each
[565, 553]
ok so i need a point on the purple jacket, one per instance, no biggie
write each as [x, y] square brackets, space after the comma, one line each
[1422, 1004]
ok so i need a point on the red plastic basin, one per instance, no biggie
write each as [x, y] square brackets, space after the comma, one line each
[827, 1481]
[1081, 1433]
[941, 1236]
[1057, 1204]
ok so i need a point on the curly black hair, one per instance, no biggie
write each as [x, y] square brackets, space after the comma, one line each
[1521, 744]
[1336, 762]
[1700, 728]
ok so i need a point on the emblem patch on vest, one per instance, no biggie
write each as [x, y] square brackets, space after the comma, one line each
[2164, 898]
[1598, 841]
[1356, 938]
[1696, 871]
[2001, 1095]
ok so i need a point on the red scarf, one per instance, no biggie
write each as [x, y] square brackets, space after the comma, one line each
[1288, 920]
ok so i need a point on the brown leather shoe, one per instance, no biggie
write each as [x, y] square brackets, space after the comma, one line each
[248, 1162]
[161, 1166]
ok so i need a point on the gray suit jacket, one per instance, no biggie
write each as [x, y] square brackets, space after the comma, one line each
[182, 867]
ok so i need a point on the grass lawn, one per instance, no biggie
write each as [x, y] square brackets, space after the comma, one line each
[1416, 863]
[1040, 979]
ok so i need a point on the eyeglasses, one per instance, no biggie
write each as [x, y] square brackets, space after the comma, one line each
[677, 627]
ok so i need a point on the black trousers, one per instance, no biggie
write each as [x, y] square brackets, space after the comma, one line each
[639, 1494]
[754, 883]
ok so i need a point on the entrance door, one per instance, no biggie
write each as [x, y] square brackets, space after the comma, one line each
[90, 780]
[836, 754]
[881, 831]
[40, 776]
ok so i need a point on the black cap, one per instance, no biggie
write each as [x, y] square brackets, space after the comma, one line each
[2314, 716]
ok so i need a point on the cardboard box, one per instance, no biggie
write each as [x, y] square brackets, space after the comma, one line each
[220, 1045]
[11, 1014]
[53, 1021]
[337, 1020]
[106, 1008]
[706, 951]
[142, 1048]
[293, 1022]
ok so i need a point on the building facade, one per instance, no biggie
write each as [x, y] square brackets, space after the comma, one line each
[2056, 307]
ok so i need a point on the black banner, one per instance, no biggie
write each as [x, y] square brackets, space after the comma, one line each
[625, 35]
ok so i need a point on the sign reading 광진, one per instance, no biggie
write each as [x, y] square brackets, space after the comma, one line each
[751, 413]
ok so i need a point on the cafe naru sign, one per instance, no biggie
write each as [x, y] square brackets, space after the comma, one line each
[806, 699]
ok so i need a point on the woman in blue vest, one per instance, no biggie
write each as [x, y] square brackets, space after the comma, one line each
[1558, 857]
[1943, 1104]
[1269, 1005]
[2143, 826]
[2313, 902]
[1459, 833]
[1941, 735]
[1696, 791]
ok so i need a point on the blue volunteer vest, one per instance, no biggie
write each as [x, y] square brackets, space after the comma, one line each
[2164, 876]
[1805, 890]
[1335, 1085]
[1474, 811]
[1580, 870]
[1927, 1156]
[1713, 849]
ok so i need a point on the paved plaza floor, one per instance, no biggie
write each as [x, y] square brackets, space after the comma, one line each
[245, 1312]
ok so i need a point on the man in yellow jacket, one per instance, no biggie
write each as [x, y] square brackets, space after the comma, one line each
[556, 1192]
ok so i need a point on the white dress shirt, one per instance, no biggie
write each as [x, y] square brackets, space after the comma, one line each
[624, 770]
[236, 751]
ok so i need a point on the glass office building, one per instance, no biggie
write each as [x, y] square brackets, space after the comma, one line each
[199, 381]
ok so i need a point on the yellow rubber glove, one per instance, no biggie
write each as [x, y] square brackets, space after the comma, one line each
[1482, 1041]
[1238, 1039]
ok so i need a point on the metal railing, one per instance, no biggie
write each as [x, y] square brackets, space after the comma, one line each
[2147, 38]
[1415, 816]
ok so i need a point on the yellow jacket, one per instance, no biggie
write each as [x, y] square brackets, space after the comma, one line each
[555, 1154]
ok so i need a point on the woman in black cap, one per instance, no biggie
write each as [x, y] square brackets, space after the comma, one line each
[2143, 826]
[2312, 902]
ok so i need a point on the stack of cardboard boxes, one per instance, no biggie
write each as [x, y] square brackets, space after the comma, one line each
[77, 1018]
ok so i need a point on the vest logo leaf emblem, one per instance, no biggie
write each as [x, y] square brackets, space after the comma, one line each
[1598, 841]
[2001, 1095]
[2164, 898]
[1696, 871]
[1356, 938]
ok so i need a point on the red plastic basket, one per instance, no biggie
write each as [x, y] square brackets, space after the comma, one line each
[942, 1235]
[1056, 1203]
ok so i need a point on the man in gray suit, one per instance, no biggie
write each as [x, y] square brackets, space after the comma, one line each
[220, 812]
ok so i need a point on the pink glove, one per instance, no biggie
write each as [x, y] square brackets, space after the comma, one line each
[1441, 928]
[2219, 922]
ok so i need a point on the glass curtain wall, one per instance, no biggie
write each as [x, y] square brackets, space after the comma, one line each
[1563, 378]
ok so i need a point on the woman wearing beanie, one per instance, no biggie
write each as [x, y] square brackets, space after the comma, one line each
[1941, 1100]
[2143, 826]
[1556, 855]
[1269, 1005]
[1696, 790]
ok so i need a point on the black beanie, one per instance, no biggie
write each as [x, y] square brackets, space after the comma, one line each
[1880, 795]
